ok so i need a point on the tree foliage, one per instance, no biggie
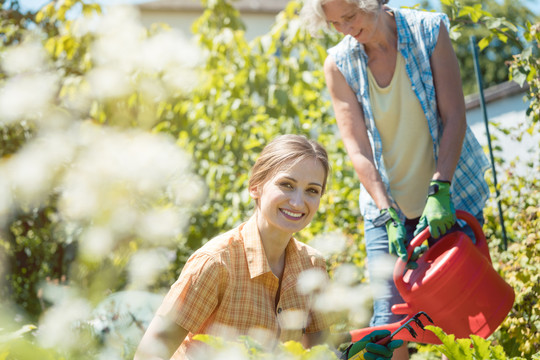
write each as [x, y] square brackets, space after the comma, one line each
[135, 148]
[497, 26]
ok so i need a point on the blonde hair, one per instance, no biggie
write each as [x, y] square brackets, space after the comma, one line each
[314, 18]
[286, 151]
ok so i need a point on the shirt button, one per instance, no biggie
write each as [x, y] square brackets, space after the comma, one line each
[279, 310]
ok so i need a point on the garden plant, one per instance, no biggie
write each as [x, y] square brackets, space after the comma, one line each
[125, 148]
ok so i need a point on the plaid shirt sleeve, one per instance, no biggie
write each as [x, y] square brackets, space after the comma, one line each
[195, 295]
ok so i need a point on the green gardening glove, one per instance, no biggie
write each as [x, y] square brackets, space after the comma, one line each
[439, 213]
[368, 348]
[419, 250]
[397, 235]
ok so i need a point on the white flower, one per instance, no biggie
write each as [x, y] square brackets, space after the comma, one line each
[329, 243]
[26, 96]
[28, 57]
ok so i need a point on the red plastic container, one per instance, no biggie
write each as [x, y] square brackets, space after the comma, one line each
[455, 284]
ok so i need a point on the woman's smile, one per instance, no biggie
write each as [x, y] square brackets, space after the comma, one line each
[292, 214]
[289, 200]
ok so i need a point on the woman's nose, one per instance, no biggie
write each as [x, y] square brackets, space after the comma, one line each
[344, 28]
[296, 199]
[347, 29]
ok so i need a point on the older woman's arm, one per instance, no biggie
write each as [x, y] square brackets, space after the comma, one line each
[350, 120]
[451, 105]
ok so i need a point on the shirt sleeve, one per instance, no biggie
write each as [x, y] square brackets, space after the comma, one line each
[193, 298]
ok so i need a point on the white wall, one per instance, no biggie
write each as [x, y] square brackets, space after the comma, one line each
[256, 24]
[510, 114]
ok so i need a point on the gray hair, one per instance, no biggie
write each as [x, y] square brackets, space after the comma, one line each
[314, 19]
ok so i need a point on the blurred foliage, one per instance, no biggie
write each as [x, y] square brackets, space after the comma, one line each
[32, 245]
[525, 69]
[246, 94]
[250, 93]
[473, 348]
[498, 27]
[248, 349]
[520, 264]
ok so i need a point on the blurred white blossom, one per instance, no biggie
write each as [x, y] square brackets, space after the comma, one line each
[381, 270]
[108, 82]
[329, 243]
[145, 266]
[119, 33]
[292, 319]
[33, 171]
[26, 57]
[230, 353]
[96, 242]
[118, 178]
[347, 274]
[167, 49]
[121, 319]
[354, 300]
[311, 280]
[56, 328]
[342, 294]
[26, 95]
[109, 184]
[123, 49]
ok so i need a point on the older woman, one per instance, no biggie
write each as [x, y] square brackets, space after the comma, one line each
[395, 85]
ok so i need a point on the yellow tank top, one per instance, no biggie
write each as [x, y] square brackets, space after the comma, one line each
[407, 146]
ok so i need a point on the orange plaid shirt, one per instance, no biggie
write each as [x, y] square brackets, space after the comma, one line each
[227, 289]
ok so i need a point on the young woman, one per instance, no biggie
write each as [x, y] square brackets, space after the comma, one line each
[396, 91]
[244, 282]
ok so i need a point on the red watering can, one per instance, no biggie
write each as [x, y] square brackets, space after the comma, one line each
[455, 284]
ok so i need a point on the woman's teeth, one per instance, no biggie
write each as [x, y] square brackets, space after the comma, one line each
[293, 214]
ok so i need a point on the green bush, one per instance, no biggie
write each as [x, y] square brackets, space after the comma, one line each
[520, 264]
[53, 270]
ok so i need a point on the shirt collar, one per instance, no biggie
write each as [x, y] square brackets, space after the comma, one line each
[255, 255]
[256, 258]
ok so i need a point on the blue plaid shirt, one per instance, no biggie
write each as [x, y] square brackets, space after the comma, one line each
[417, 36]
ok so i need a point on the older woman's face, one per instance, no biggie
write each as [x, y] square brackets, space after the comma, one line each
[348, 19]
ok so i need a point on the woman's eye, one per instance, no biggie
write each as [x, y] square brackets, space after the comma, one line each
[350, 17]
[314, 191]
[286, 185]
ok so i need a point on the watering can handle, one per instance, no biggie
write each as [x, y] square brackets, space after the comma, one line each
[470, 220]
[481, 243]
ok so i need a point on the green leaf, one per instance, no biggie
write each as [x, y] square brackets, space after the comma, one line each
[484, 43]
[213, 341]
[502, 37]
[39, 16]
[481, 347]
[293, 348]
[519, 77]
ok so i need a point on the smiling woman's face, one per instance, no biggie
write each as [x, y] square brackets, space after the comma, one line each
[348, 19]
[288, 201]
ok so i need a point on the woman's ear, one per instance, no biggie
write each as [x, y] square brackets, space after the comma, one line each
[254, 192]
